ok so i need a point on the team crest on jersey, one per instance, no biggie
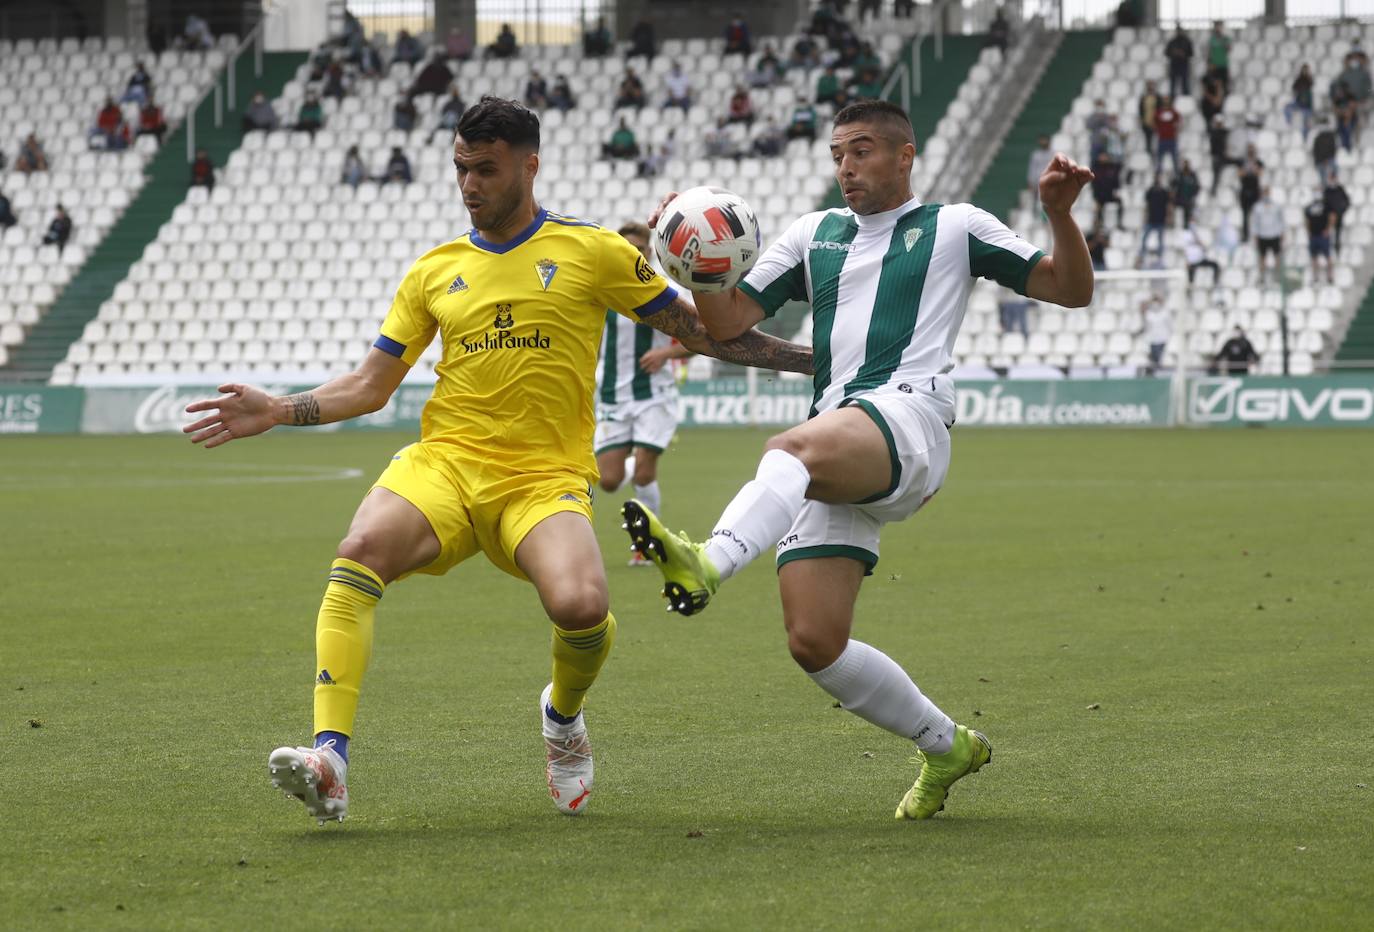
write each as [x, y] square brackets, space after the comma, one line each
[912, 236]
[458, 285]
[504, 320]
[546, 269]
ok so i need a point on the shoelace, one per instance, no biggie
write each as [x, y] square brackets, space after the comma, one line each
[570, 750]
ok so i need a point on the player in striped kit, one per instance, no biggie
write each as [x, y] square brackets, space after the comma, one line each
[888, 279]
[636, 398]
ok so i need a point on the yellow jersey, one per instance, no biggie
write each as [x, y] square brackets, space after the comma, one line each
[521, 324]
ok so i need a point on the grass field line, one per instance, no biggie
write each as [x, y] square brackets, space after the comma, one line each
[121, 476]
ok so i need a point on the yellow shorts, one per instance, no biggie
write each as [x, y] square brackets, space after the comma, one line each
[474, 506]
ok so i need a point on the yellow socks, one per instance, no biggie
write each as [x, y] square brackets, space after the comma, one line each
[577, 658]
[343, 643]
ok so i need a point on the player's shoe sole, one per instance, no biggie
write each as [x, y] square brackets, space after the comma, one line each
[310, 776]
[689, 579]
[568, 764]
[939, 772]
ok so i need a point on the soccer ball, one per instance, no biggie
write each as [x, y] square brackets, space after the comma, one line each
[707, 239]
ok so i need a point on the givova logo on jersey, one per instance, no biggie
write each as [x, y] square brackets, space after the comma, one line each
[504, 336]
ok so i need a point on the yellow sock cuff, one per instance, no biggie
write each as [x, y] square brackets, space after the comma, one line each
[587, 638]
[356, 576]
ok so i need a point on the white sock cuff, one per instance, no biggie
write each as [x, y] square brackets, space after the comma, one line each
[840, 675]
[784, 473]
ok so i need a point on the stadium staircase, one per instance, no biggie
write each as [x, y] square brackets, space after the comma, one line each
[1061, 82]
[62, 325]
[1358, 345]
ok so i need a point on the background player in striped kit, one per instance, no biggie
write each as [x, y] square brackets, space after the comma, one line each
[636, 398]
[888, 280]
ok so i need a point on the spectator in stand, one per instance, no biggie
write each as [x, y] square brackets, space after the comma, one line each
[596, 41]
[561, 96]
[1156, 218]
[450, 113]
[434, 78]
[737, 38]
[767, 69]
[719, 143]
[867, 58]
[741, 107]
[1226, 240]
[1145, 110]
[622, 144]
[457, 45]
[1195, 255]
[802, 125]
[7, 217]
[1250, 174]
[59, 231]
[110, 132]
[1337, 203]
[408, 49]
[151, 121]
[868, 9]
[1319, 221]
[1185, 191]
[1302, 100]
[1269, 226]
[336, 81]
[369, 63]
[805, 53]
[196, 37]
[1219, 54]
[1098, 241]
[823, 18]
[354, 171]
[1356, 78]
[999, 33]
[31, 157]
[904, 9]
[140, 86]
[353, 36]
[505, 45]
[1157, 326]
[1179, 52]
[1095, 123]
[1219, 142]
[536, 91]
[1013, 313]
[1324, 148]
[404, 115]
[259, 114]
[1106, 185]
[678, 87]
[1213, 94]
[651, 163]
[1040, 157]
[203, 171]
[868, 84]
[1236, 355]
[631, 92]
[827, 86]
[1167, 124]
[397, 168]
[642, 41]
[2, 160]
[770, 140]
[1346, 110]
[310, 117]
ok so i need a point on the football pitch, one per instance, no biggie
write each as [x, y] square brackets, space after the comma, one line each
[1168, 637]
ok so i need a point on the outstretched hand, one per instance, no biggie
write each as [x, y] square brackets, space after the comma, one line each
[653, 359]
[1061, 181]
[662, 206]
[241, 411]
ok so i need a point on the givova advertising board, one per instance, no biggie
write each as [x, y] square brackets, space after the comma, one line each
[1319, 401]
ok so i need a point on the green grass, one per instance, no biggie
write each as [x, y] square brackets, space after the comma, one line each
[1167, 636]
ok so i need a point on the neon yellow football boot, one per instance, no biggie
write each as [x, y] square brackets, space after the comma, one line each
[939, 772]
[689, 578]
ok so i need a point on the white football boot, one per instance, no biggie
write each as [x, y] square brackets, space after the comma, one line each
[315, 776]
[569, 755]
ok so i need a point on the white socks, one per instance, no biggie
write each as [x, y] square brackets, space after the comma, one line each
[648, 494]
[760, 513]
[871, 685]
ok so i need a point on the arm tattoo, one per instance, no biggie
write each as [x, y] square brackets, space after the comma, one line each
[750, 348]
[305, 409]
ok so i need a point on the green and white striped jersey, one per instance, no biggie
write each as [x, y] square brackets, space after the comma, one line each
[618, 375]
[887, 291]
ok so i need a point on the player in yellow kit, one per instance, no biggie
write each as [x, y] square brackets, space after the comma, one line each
[504, 462]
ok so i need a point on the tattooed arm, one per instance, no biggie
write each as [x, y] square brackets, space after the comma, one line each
[750, 348]
[242, 410]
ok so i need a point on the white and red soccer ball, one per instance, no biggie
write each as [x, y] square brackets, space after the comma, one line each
[707, 239]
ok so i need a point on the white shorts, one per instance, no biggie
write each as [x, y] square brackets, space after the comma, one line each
[915, 424]
[650, 423]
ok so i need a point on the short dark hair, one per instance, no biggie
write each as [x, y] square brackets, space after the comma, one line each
[877, 111]
[493, 118]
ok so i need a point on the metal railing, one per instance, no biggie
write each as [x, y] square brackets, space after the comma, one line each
[906, 75]
[225, 94]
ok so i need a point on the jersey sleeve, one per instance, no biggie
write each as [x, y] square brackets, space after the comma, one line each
[997, 253]
[779, 275]
[626, 282]
[409, 326]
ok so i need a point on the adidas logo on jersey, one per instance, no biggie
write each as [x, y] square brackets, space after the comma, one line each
[458, 285]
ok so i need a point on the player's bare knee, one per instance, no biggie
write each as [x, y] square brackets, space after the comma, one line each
[611, 481]
[793, 442]
[361, 547]
[576, 606]
[645, 473]
[813, 647]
